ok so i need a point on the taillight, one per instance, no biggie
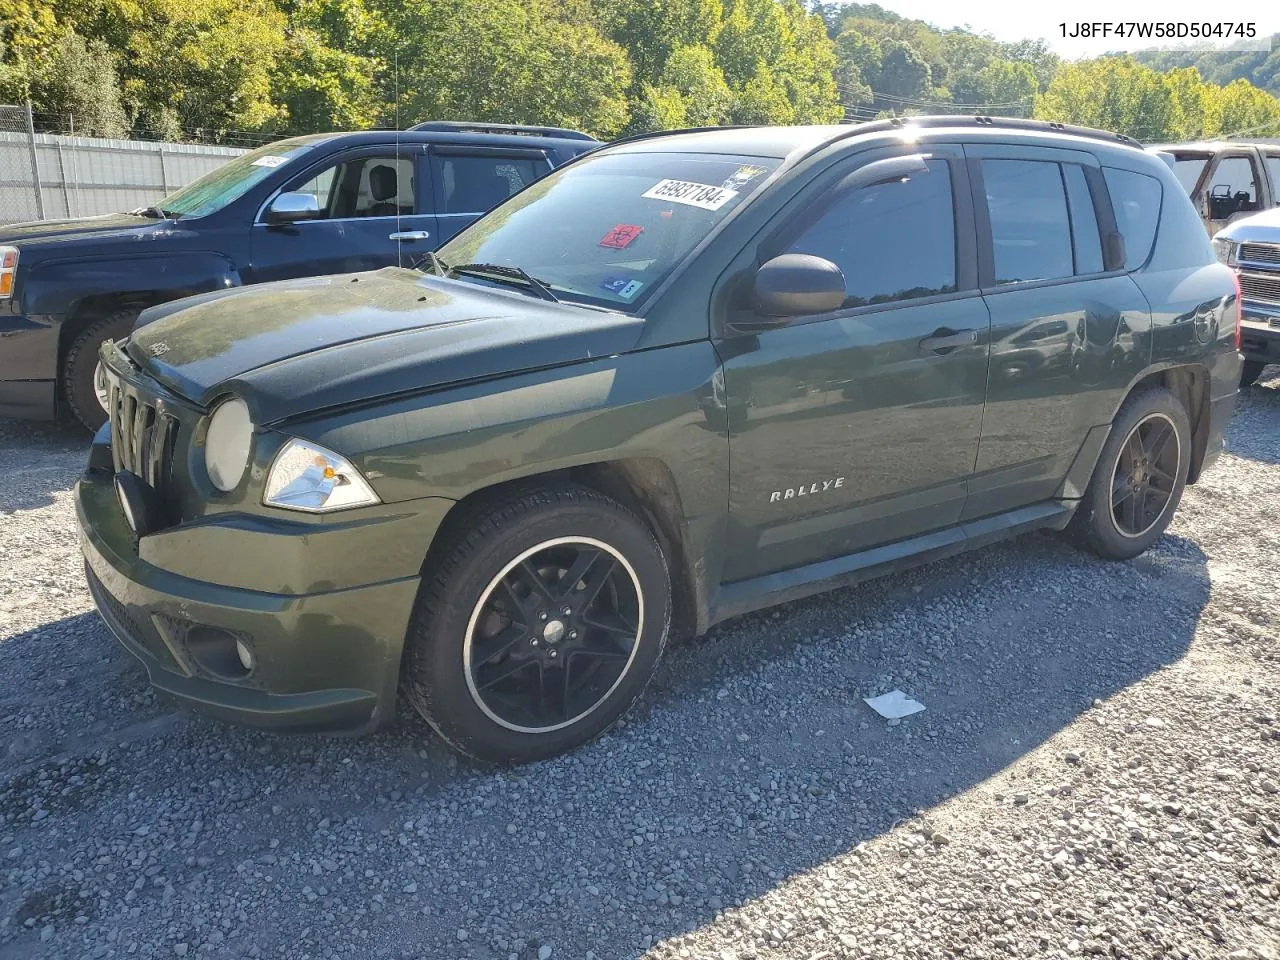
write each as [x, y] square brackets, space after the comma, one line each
[1235, 275]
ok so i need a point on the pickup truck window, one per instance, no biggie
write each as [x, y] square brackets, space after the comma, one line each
[233, 179]
[867, 232]
[1232, 188]
[1187, 167]
[608, 230]
[1273, 170]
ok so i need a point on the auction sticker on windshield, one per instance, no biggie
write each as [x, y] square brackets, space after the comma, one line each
[269, 161]
[702, 195]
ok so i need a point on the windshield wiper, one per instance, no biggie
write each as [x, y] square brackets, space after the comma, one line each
[438, 266]
[503, 272]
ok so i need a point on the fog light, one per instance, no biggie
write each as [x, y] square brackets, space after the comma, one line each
[245, 655]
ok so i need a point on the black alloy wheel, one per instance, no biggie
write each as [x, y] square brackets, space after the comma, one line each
[553, 634]
[1145, 476]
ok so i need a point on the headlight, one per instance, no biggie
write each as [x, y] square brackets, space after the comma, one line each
[227, 444]
[308, 477]
[101, 389]
[8, 271]
[1225, 251]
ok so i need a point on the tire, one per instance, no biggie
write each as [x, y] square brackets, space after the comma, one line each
[1144, 487]
[1250, 372]
[496, 708]
[82, 360]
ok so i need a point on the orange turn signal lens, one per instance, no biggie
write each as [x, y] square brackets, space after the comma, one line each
[6, 284]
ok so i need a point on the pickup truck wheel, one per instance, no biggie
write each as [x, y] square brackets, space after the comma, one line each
[81, 363]
[1139, 477]
[540, 626]
[1250, 372]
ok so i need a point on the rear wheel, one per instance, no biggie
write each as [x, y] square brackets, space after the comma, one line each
[1250, 372]
[542, 625]
[81, 384]
[1139, 477]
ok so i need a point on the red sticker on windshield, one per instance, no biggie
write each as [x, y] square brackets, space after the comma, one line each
[621, 236]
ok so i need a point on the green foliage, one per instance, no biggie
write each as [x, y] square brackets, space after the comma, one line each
[1260, 67]
[79, 78]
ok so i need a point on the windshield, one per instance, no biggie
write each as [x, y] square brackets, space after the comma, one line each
[232, 180]
[608, 230]
[1187, 167]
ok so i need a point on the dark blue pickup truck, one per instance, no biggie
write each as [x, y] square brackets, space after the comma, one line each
[312, 205]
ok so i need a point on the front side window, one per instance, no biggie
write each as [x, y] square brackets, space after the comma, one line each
[893, 241]
[609, 229]
[1030, 225]
[474, 184]
[1136, 200]
[233, 179]
[379, 186]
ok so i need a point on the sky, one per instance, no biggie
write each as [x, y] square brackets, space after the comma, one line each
[1030, 19]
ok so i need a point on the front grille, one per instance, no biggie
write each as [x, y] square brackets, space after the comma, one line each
[1261, 286]
[1260, 252]
[142, 438]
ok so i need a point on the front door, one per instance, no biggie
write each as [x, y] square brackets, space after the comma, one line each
[861, 427]
[1232, 190]
[375, 212]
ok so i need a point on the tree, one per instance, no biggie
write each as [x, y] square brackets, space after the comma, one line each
[692, 72]
[1112, 93]
[28, 31]
[762, 101]
[79, 82]
[652, 30]
[903, 72]
[1243, 108]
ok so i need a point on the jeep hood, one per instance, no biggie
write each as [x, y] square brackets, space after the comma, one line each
[298, 346]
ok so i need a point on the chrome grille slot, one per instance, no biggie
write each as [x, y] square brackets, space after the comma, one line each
[1260, 286]
[1260, 252]
[143, 438]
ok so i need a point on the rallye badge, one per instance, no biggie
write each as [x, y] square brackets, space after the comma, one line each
[804, 490]
[702, 195]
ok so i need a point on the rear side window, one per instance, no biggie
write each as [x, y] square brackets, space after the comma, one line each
[478, 183]
[1273, 168]
[1136, 200]
[1030, 225]
[894, 241]
[1085, 239]
[1187, 167]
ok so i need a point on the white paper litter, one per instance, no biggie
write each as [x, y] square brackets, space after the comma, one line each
[893, 705]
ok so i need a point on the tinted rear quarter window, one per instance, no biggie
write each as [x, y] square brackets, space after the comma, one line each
[1136, 200]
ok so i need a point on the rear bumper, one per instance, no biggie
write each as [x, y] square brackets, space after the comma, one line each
[1221, 410]
[324, 660]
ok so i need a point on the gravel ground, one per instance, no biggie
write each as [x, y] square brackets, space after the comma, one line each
[1096, 773]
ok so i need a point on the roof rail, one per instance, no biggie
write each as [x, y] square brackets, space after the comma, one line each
[1016, 123]
[464, 126]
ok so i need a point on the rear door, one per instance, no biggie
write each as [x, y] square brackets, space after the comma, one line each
[1067, 329]
[469, 181]
[860, 427]
[376, 212]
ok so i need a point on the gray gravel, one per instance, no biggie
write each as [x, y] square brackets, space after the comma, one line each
[1096, 773]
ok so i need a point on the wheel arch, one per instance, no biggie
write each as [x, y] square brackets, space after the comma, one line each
[1189, 383]
[645, 485]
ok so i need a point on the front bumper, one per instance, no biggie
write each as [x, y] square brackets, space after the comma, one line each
[327, 659]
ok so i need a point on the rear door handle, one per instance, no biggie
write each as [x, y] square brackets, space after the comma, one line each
[410, 235]
[945, 339]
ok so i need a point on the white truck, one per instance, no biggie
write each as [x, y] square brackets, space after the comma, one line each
[1226, 180]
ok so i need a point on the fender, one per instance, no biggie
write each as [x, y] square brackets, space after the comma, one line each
[55, 290]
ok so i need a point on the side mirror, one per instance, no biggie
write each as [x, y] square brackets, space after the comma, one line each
[797, 285]
[292, 207]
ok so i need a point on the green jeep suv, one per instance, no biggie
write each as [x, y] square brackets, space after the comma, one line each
[683, 377]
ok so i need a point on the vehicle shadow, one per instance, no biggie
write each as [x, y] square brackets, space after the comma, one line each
[37, 460]
[1252, 431]
[750, 759]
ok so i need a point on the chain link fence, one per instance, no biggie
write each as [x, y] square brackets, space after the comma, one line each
[50, 175]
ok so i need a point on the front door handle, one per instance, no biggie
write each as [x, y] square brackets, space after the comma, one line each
[410, 235]
[946, 339]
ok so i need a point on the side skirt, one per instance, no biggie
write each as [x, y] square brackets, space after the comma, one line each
[757, 593]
